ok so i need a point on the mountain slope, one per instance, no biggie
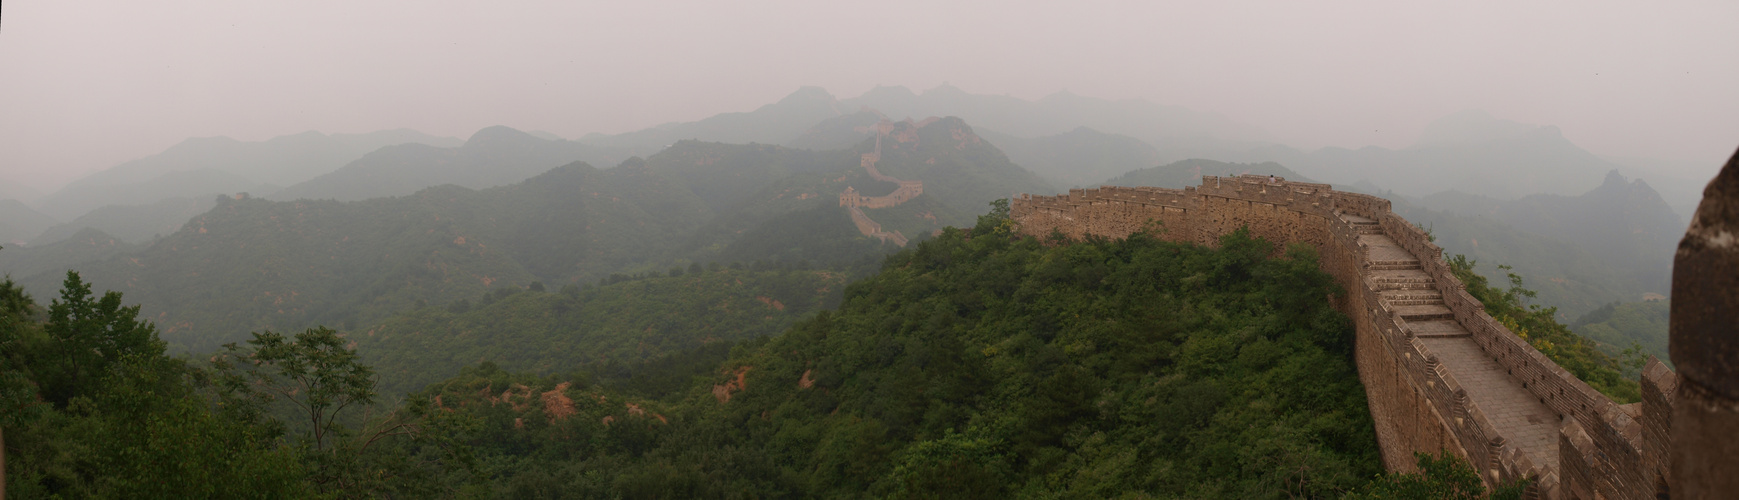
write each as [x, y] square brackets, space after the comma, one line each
[229, 166]
[19, 223]
[135, 223]
[1626, 224]
[250, 264]
[840, 132]
[777, 123]
[725, 175]
[49, 263]
[494, 156]
[960, 169]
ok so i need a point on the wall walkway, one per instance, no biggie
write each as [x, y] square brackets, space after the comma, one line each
[857, 202]
[1438, 371]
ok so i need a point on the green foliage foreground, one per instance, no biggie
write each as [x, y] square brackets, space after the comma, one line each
[982, 365]
[978, 365]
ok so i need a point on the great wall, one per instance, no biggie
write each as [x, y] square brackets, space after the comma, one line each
[856, 202]
[1441, 374]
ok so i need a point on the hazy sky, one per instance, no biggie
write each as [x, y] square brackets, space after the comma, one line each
[85, 85]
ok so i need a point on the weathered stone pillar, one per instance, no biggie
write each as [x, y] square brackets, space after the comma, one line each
[1704, 344]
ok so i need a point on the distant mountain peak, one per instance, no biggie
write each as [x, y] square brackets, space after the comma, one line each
[499, 135]
[808, 93]
[945, 89]
[888, 91]
[1613, 177]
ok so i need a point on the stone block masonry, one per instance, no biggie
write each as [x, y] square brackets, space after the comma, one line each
[1439, 373]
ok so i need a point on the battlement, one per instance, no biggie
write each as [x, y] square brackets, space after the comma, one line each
[1439, 372]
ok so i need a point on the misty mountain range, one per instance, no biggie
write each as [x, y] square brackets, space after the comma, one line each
[781, 161]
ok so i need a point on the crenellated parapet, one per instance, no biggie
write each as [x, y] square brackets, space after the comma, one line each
[1438, 371]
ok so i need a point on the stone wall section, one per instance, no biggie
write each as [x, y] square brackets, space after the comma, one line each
[856, 201]
[1404, 300]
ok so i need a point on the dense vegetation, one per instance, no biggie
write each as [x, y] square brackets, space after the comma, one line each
[1540, 327]
[91, 407]
[1622, 324]
[252, 264]
[982, 365]
[597, 329]
[977, 365]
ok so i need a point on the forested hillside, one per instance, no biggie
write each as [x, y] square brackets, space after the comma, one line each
[54, 259]
[132, 223]
[600, 329]
[251, 264]
[1620, 325]
[959, 169]
[979, 365]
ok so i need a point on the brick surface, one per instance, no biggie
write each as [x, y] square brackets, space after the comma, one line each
[1520, 417]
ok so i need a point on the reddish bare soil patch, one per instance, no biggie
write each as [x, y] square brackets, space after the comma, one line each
[771, 303]
[723, 391]
[556, 403]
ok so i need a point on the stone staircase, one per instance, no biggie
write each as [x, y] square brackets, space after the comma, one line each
[1405, 287]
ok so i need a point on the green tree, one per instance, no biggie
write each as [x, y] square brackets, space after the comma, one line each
[319, 375]
[1443, 477]
[87, 337]
[18, 400]
[313, 371]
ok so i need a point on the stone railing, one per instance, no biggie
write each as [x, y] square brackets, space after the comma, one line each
[1616, 451]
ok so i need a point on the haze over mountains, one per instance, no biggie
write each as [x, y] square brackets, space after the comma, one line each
[733, 187]
[510, 262]
[203, 166]
[494, 156]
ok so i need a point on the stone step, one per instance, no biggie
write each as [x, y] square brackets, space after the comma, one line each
[1417, 302]
[1413, 295]
[1402, 279]
[1440, 328]
[1406, 286]
[1410, 262]
[1395, 267]
[1414, 313]
[1368, 229]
